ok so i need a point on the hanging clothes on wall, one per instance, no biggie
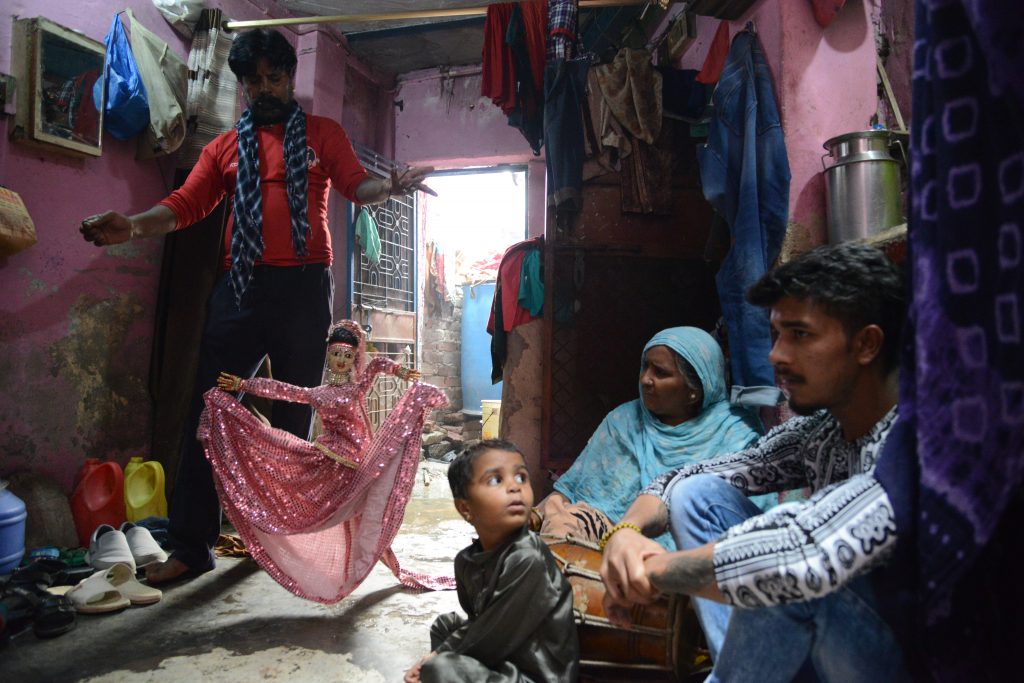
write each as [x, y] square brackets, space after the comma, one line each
[498, 71]
[210, 103]
[513, 65]
[436, 292]
[166, 79]
[631, 123]
[744, 171]
[367, 235]
[565, 80]
[718, 53]
[526, 37]
[507, 310]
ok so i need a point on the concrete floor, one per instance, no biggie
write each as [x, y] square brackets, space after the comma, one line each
[237, 624]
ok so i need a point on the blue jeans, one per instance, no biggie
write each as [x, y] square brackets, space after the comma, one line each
[842, 634]
[744, 171]
[565, 83]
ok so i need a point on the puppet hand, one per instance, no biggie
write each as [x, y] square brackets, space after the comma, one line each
[412, 375]
[229, 382]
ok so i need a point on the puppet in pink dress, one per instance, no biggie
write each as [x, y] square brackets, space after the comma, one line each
[317, 516]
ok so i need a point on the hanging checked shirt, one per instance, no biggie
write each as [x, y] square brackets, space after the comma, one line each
[800, 550]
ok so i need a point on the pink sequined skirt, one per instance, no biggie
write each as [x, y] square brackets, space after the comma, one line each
[317, 526]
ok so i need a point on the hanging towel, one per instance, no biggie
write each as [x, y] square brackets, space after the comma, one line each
[717, 54]
[368, 236]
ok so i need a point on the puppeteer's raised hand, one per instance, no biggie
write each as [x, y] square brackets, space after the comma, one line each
[405, 179]
[411, 375]
[228, 382]
[109, 227]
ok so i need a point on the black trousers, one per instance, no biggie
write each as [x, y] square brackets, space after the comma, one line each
[285, 314]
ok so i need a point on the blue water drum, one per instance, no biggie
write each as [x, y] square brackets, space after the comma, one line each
[12, 530]
[476, 348]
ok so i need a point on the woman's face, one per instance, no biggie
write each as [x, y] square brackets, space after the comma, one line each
[340, 358]
[665, 390]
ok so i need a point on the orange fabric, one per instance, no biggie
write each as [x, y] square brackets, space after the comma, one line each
[331, 162]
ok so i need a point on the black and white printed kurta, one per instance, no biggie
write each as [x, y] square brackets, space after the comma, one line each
[800, 550]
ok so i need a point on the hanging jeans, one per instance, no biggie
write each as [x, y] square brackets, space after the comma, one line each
[744, 170]
[565, 82]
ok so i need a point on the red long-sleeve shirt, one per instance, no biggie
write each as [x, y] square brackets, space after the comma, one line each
[331, 162]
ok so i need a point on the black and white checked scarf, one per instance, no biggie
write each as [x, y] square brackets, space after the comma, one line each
[247, 234]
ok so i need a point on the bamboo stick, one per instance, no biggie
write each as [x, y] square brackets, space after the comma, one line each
[416, 14]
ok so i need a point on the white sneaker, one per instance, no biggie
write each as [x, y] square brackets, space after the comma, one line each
[107, 547]
[144, 548]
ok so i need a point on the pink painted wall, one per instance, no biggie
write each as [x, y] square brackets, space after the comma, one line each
[76, 322]
[824, 85]
[446, 123]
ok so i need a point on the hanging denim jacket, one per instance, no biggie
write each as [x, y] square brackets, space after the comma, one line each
[744, 170]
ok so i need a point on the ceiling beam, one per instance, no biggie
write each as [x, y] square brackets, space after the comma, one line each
[417, 14]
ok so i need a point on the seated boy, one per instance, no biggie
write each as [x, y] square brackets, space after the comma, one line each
[520, 625]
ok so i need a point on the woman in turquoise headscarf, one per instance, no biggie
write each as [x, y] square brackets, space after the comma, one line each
[682, 416]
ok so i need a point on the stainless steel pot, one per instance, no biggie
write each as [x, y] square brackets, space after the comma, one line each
[863, 184]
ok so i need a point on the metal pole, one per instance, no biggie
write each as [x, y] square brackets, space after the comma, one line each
[418, 14]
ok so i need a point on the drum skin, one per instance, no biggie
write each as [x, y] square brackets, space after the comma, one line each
[663, 636]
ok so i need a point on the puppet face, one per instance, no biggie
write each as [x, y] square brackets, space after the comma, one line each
[340, 358]
[816, 361]
[268, 93]
[498, 498]
[665, 391]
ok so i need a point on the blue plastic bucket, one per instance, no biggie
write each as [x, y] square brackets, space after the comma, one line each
[476, 348]
[12, 530]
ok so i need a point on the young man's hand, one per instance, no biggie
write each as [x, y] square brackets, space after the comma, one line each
[622, 568]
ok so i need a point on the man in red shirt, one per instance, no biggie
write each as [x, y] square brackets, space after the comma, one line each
[275, 298]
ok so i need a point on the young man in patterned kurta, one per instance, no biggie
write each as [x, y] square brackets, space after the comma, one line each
[795, 572]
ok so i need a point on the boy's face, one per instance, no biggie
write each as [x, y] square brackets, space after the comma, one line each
[498, 498]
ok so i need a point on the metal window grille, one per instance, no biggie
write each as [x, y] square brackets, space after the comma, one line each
[389, 284]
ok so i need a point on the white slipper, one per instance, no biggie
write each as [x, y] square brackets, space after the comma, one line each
[108, 547]
[96, 595]
[144, 548]
[122, 578]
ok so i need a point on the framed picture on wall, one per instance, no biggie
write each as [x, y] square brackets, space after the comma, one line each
[56, 70]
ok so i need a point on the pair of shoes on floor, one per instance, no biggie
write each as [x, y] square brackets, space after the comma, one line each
[112, 589]
[24, 601]
[132, 545]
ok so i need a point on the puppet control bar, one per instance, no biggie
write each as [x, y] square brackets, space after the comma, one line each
[418, 14]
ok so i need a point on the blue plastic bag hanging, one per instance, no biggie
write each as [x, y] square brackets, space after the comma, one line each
[126, 110]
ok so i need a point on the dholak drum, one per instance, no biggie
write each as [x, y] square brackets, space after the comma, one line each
[663, 637]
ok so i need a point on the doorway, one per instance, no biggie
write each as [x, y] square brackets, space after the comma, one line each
[476, 215]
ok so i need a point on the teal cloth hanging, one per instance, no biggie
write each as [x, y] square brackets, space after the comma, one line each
[531, 286]
[367, 235]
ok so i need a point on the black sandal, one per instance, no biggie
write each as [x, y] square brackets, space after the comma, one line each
[50, 615]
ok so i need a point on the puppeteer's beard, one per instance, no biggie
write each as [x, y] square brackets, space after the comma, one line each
[268, 110]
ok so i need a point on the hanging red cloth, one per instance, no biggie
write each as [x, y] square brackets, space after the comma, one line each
[717, 54]
[498, 75]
